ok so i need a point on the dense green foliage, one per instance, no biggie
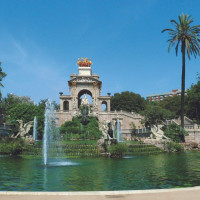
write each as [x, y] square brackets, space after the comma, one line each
[22, 108]
[127, 101]
[175, 132]
[135, 149]
[172, 104]
[154, 115]
[118, 150]
[193, 102]
[75, 130]
[174, 147]
[26, 112]
[13, 147]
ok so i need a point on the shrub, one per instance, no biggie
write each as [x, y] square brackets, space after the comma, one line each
[174, 147]
[14, 147]
[74, 129]
[118, 150]
[175, 132]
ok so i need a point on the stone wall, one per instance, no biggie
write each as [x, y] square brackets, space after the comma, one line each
[193, 137]
[63, 117]
[125, 119]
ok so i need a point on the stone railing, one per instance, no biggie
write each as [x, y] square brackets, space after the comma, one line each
[129, 114]
[189, 127]
[126, 130]
[143, 130]
[138, 131]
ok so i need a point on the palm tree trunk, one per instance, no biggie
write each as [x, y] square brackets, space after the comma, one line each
[183, 85]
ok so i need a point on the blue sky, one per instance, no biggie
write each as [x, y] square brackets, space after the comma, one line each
[41, 40]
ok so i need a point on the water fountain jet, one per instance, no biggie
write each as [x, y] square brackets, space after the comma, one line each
[118, 131]
[53, 153]
[35, 128]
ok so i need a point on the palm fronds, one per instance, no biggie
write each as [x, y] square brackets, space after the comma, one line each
[184, 33]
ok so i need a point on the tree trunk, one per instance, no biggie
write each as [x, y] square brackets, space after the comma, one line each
[183, 85]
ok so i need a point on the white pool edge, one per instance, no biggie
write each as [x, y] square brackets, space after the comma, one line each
[122, 192]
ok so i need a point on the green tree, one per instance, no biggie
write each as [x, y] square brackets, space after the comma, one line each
[193, 102]
[127, 101]
[175, 132]
[12, 101]
[42, 104]
[172, 104]
[17, 108]
[155, 115]
[187, 37]
[23, 112]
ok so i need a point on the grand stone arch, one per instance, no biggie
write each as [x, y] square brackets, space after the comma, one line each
[82, 92]
[86, 82]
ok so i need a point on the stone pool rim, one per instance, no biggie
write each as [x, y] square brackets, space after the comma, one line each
[99, 193]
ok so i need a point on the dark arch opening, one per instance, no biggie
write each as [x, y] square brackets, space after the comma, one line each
[66, 105]
[81, 93]
[104, 106]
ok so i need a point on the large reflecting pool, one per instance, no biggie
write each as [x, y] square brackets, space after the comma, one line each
[131, 173]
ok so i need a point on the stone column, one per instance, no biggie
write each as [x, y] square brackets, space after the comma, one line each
[95, 102]
[61, 105]
[108, 106]
[99, 106]
[70, 105]
[74, 101]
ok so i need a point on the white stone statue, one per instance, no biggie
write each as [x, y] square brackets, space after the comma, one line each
[103, 126]
[85, 101]
[157, 132]
[23, 128]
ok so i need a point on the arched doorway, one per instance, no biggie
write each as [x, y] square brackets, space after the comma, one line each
[82, 93]
[104, 107]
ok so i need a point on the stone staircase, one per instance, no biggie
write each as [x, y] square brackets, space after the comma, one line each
[137, 149]
[82, 150]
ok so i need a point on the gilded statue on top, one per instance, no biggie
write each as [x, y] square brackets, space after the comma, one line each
[84, 62]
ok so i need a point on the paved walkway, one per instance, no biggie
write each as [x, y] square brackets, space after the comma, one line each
[163, 194]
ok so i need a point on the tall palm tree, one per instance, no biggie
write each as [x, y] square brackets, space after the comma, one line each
[187, 37]
[2, 75]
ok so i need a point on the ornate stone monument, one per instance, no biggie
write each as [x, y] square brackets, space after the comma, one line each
[88, 83]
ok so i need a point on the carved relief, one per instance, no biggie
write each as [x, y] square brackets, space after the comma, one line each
[95, 104]
[74, 103]
[83, 79]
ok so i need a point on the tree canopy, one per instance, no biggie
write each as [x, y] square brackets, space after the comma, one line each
[172, 104]
[154, 115]
[193, 102]
[14, 108]
[127, 101]
[175, 132]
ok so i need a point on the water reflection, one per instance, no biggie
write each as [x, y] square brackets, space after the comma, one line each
[139, 172]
